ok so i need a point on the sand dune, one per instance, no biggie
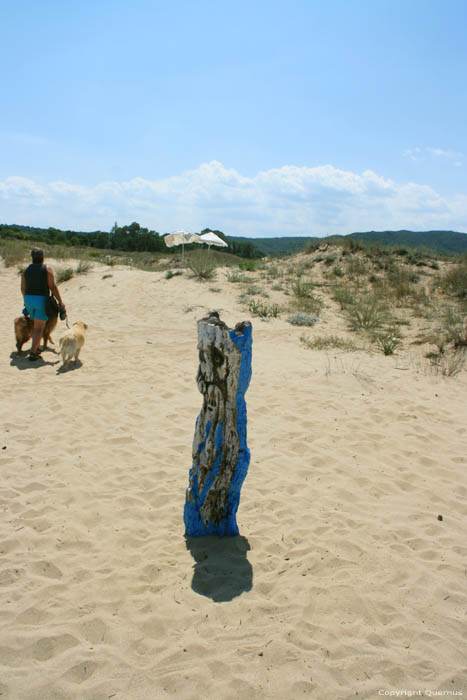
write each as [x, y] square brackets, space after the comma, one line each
[344, 581]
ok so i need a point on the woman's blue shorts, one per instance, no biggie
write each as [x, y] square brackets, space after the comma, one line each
[35, 305]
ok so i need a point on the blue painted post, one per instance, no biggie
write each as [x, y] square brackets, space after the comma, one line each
[220, 453]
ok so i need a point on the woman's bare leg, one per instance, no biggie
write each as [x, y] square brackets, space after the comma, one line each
[37, 334]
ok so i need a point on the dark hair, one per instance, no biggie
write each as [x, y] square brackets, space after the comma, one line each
[37, 255]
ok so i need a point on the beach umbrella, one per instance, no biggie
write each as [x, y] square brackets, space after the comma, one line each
[212, 239]
[180, 238]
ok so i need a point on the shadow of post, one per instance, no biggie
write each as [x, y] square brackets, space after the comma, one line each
[222, 571]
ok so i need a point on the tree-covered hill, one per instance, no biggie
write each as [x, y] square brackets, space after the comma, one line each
[439, 241]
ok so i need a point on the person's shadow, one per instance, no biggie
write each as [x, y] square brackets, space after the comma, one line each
[21, 360]
[222, 571]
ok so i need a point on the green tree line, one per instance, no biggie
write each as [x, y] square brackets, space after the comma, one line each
[132, 237]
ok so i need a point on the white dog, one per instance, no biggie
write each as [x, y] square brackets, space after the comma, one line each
[72, 341]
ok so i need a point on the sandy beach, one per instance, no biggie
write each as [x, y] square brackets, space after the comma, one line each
[349, 577]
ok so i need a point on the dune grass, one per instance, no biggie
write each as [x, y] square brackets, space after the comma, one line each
[328, 342]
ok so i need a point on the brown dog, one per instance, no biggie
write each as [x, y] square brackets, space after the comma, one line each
[23, 331]
[72, 341]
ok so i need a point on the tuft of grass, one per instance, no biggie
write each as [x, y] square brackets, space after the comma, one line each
[83, 267]
[215, 290]
[106, 277]
[253, 290]
[356, 268]
[344, 296]
[237, 277]
[304, 297]
[273, 271]
[447, 364]
[303, 289]
[401, 281]
[455, 280]
[367, 313]
[299, 319]
[387, 343]
[202, 267]
[63, 274]
[454, 327]
[263, 310]
[327, 342]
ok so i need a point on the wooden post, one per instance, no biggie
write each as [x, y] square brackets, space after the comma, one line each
[220, 453]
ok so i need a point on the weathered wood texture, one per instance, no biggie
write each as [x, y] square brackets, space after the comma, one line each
[220, 453]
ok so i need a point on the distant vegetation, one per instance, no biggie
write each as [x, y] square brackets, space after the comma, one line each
[439, 241]
[130, 238]
[135, 238]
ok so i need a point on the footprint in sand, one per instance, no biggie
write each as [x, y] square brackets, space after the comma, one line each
[95, 631]
[81, 672]
[9, 576]
[32, 616]
[47, 569]
[47, 647]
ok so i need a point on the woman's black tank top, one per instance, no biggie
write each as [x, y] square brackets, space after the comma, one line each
[36, 280]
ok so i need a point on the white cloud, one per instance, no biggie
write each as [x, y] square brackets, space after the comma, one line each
[283, 201]
[453, 157]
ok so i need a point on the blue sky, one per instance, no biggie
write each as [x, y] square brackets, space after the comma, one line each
[298, 117]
